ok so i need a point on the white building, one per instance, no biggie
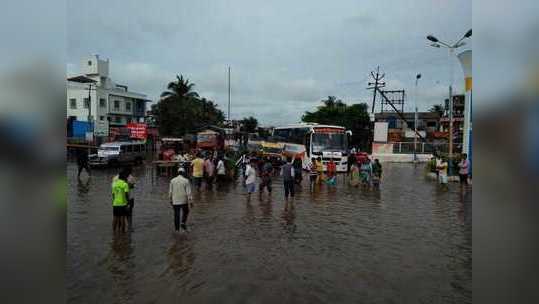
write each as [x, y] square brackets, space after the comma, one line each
[112, 104]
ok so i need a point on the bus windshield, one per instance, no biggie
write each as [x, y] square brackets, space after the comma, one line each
[329, 142]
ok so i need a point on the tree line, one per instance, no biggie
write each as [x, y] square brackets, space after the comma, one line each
[181, 110]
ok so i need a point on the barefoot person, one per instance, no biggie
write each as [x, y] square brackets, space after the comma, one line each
[464, 170]
[131, 200]
[82, 161]
[376, 173]
[198, 171]
[442, 173]
[250, 178]
[179, 194]
[313, 174]
[120, 196]
[287, 171]
[266, 173]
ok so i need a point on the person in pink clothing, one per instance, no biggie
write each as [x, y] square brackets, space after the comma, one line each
[464, 170]
[209, 171]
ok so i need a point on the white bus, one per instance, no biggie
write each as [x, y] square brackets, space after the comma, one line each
[324, 141]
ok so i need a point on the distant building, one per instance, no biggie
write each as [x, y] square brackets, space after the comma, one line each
[458, 121]
[426, 121]
[107, 104]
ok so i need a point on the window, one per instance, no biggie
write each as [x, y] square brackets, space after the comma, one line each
[117, 105]
[86, 103]
[128, 106]
[118, 119]
[101, 118]
[102, 102]
[89, 62]
[129, 148]
[73, 103]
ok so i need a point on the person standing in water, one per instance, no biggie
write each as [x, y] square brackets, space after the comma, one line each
[209, 171]
[120, 197]
[376, 173]
[313, 174]
[366, 172]
[287, 172]
[442, 173]
[266, 174]
[464, 170]
[250, 178]
[331, 172]
[179, 194]
[198, 171]
[221, 171]
[82, 161]
[131, 199]
[354, 173]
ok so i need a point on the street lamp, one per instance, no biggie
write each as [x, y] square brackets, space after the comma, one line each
[451, 47]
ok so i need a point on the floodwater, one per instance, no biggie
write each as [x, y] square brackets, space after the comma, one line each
[409, 242]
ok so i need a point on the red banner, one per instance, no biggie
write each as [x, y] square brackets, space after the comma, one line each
[138, 130]
[328, 130]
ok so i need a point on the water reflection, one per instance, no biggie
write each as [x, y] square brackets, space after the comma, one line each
[404, 238]
[180, 256]
[121, 266]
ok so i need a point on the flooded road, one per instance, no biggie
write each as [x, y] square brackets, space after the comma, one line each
[409, 242]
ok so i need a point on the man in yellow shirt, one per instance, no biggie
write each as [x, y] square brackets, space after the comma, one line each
[320, 170]
[198, 170]
[120, 198]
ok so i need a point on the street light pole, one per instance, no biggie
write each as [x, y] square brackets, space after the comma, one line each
[437, 43]
[417, 77]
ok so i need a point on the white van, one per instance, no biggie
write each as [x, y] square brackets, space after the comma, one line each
[114, 153]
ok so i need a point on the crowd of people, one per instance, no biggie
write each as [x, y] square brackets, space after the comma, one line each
[208, 169]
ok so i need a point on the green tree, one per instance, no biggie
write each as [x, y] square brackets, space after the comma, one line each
[180, 110]
[353, 117]
[250, 124]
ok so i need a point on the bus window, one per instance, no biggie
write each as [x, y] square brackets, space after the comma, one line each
[123, 149]
[136, 148]
[129, 148]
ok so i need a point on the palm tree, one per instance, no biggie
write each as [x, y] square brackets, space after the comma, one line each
[330, 102]
[180, 88]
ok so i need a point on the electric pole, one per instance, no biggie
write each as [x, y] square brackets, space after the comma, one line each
[377, 84]
[229, 94]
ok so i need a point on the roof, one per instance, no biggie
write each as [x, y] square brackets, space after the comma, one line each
[408, 115]
[308, 125]
[81, 79]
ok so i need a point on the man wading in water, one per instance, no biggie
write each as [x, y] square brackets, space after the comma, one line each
[179, 194]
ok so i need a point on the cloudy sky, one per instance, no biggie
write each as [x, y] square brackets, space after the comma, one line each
[285, 56]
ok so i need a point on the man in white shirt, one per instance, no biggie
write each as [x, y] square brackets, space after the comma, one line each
[250, 178]
[221, 171]
[180, 198]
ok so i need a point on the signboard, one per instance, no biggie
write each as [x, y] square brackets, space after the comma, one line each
[328, 130]
[137, 130]
[412, 134]
[380, 132]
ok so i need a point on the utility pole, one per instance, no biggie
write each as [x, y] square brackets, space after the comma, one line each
[376, 85]
[229, 94]
[417, 77]
[92, 129]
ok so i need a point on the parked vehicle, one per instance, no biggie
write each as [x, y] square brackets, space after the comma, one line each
[115, 153]
[272, 150]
